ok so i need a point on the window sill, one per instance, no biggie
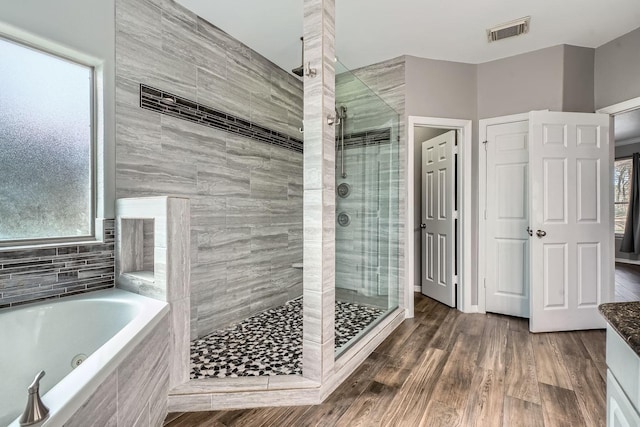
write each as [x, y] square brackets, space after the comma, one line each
[58, 244]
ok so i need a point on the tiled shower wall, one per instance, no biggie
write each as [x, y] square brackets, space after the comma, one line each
[246, 196]
[28, 275]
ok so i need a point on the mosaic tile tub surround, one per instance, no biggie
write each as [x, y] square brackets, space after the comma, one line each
[270, 343]
[28, 275]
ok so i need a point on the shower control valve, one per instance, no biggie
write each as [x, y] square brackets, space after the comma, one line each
[310, 72]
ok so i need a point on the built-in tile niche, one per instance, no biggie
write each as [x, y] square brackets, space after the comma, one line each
[153, 259]
[137, 262]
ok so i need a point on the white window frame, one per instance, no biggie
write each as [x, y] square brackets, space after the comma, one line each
[98, 199]
[619, 235]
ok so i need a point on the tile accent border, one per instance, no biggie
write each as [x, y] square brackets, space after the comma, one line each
[182, 108]
[367, 138]
[28, 275]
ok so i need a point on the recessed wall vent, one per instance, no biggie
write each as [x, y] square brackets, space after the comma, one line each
[509, 29]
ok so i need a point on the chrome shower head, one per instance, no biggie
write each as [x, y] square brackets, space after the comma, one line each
[298, 71]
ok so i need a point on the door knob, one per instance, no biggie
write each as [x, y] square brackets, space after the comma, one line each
[529, 231]
[541, 233]
[423, 225]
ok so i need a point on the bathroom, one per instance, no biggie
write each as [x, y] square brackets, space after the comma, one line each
[189, 119]
[244, 179]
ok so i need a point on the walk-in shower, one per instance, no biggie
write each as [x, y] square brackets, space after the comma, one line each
[367, 210]
[269, 342]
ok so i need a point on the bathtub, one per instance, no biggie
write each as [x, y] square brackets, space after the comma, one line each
[79, 341]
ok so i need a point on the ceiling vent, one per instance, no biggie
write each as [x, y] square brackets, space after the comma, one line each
[509, 29]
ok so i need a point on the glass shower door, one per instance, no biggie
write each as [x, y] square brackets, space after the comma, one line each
[367, 166]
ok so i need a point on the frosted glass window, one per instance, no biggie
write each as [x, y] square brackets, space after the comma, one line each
[46, 145]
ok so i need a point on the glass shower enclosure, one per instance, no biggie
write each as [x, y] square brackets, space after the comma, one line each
[367, 208]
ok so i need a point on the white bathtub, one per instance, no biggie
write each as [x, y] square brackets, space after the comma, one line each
[104, 325]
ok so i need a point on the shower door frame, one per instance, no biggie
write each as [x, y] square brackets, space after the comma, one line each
[463, 300]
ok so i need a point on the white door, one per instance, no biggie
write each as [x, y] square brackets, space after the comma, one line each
[570, 218]
[438, 218]
[507, 218]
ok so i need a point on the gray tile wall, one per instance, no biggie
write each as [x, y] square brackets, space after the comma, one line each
[246, 196]
[29, 275]
[135, 394]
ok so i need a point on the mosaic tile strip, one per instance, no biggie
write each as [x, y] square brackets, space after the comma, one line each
[37, 274]
[363, 139]
[270, 343]
[176, 106]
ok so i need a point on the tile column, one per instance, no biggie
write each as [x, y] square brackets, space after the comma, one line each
[170, 279]
[319, 191]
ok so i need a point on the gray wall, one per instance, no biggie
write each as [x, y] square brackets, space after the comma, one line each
[445, 89]
[246, 196]
[617, 70]
[577, 82]
[521, 83]
[556, 78]
[440, 88]
[85, 29]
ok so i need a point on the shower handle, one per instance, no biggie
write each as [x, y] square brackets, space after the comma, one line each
[342, 115]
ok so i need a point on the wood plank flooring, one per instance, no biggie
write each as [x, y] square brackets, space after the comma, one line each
[627, 282]
[446, 368]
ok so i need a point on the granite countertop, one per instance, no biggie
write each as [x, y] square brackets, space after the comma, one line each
[624, 317]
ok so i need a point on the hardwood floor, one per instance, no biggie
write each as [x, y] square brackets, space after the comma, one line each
[627, 282]
[446, 368]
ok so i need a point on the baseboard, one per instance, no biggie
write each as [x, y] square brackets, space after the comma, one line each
[417, 288]
[472, 309]
[628, 261]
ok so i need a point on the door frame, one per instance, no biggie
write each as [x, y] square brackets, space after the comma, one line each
[463, 300]
[482, 183]
[612, 110]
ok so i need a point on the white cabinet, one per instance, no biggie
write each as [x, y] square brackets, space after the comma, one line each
[620, 412]
[623, 382]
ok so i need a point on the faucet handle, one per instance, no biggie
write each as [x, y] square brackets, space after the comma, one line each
[35, 385]
[35, 411]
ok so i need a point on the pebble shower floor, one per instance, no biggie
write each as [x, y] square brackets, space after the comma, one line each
[270, 343]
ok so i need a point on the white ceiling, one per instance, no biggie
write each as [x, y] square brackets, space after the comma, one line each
[369, 31]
